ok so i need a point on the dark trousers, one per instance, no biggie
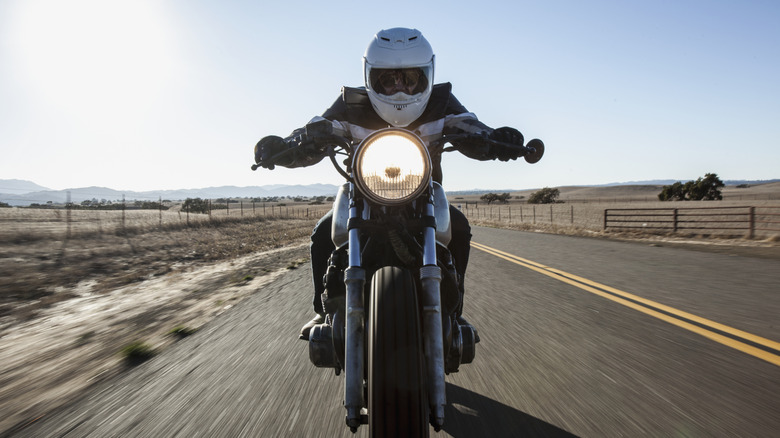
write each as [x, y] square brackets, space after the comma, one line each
[322, 246]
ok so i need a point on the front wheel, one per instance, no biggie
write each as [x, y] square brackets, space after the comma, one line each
[397, 402]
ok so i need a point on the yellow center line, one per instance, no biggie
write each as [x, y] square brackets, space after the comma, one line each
[702, 326]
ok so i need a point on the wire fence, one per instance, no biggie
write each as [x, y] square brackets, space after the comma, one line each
[69, 221]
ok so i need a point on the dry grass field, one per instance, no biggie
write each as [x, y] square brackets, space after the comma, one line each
[582, 211]
[77, 287]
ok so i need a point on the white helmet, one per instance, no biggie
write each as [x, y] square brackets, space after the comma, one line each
[398, 72]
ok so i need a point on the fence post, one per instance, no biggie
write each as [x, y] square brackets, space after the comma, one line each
[674, 220]
[606, 212]
[572, 215]
[123, 213]
[68, 206]
[752, 231]
[551, 214]
[160, 211]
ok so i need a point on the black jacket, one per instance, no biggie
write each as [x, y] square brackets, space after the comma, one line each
[444, 114]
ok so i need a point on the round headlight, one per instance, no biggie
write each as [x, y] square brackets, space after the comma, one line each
[392, 166]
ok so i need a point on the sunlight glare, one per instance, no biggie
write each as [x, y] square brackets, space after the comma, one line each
[393, 152]
[94, 59]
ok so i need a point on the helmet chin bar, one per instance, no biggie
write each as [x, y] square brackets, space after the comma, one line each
[398, 117]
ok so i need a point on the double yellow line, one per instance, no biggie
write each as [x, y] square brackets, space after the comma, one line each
[753, 345]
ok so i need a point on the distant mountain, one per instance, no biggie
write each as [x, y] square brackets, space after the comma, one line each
[666, 182]
[19, 187]
[23, 193]
[652, 182]
[739, 182]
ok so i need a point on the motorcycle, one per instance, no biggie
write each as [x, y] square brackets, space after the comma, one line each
[391, 290]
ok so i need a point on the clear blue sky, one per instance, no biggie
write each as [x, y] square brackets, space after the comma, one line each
[168, 94]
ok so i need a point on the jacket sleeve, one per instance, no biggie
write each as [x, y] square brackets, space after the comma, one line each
[467, 123]
[308, 156]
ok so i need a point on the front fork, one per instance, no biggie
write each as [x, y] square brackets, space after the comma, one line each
[355, 280]
[433, 340]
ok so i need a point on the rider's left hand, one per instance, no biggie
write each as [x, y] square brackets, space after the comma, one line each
[506, 135]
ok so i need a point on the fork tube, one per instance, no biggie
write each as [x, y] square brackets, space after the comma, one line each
[355, 280]
[433, 338]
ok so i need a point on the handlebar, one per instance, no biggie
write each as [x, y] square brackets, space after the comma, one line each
[319, 137]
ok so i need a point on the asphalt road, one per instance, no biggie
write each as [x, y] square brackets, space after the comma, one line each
[580, 337]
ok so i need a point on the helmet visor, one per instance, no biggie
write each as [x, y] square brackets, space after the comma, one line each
[391, 81]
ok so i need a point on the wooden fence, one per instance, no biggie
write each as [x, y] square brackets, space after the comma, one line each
[738, 220]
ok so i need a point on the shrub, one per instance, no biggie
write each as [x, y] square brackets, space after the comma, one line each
[182, 331]
[490, 197]
[137, 352]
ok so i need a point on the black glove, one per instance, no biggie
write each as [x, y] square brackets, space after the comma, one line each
[267, 148]
[506, 135]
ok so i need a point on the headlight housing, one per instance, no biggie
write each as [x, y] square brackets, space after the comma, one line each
[392, 166]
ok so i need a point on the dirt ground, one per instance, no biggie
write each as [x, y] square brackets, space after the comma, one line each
[69, 308]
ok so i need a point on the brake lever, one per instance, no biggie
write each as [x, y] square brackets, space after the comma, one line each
[532, 152]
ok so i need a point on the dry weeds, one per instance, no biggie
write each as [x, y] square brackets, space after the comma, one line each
[68, 307]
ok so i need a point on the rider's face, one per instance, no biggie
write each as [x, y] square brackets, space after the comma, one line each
[392, 81]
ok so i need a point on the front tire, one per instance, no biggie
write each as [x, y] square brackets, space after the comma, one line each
[397, 402]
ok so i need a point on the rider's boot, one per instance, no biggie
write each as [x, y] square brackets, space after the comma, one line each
[319, 319]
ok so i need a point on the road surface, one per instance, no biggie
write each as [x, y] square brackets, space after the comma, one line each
[580, 337]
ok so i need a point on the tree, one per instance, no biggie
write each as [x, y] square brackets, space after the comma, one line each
[489, 197]
[545, 196]
[707, 188]
[195, 205]
[674, 192]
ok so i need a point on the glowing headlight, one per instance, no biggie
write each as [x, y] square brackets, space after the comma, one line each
[392, 167]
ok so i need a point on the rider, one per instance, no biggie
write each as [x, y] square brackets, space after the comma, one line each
[399, 91]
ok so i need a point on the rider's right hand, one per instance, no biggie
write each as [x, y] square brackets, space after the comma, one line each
[267, 148]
